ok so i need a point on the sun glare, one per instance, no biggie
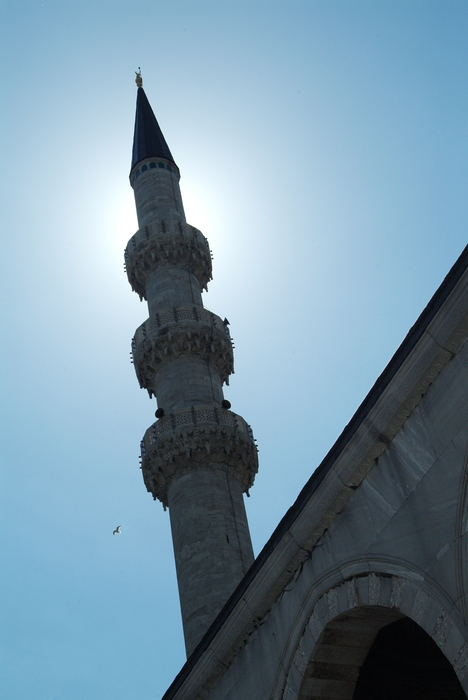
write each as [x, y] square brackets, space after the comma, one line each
[125, 222]
[196, 207]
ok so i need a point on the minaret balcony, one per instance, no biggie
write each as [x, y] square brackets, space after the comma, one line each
[198, 437]
[181, 331]
[163, 243]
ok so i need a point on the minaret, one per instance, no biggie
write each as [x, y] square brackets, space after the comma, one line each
[199, 457]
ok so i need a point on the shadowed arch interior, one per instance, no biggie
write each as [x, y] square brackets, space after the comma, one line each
[375, 652]
[404, 663]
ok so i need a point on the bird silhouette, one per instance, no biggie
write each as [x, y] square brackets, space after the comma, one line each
[117, 530]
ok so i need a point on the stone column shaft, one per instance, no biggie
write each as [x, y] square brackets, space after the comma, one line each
[212, 544]
[157, 196]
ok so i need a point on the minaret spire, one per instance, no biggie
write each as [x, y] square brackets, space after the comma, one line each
[148, 140]
[199, 457]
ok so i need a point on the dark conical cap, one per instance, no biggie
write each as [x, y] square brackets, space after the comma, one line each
[148, 140]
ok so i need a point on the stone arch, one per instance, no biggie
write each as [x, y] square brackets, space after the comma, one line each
[361, 606]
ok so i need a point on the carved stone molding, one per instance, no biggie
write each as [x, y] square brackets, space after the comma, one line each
[199, 437]
[365, 603]
[182, 330]
[167, 242]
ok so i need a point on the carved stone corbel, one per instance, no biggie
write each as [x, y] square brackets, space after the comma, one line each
[199, 437]
[182, 330]
[167, 242]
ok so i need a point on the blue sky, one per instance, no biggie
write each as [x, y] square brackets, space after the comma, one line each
[323, 151]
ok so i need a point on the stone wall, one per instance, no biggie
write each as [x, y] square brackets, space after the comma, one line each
[378, 535]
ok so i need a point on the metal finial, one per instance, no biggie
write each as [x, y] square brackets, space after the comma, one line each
[139, 79]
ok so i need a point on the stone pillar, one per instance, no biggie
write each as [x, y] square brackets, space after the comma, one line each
[199, 457]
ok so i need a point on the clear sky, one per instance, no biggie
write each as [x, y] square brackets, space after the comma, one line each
[323, 151]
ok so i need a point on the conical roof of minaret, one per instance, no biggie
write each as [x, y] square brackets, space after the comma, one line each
[148, 139]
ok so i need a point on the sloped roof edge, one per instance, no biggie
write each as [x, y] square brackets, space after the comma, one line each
[413, 336]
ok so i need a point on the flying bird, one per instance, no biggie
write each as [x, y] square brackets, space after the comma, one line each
[117, 530]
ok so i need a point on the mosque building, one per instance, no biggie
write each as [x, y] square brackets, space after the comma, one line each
[362, 590]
